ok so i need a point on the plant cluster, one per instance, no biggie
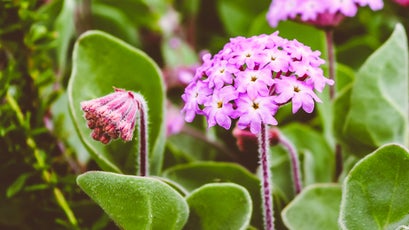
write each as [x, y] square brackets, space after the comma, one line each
[189, 114]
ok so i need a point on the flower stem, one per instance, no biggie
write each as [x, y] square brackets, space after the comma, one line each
[295, 163]
[329, 36]
[143, 137]
[266, 192]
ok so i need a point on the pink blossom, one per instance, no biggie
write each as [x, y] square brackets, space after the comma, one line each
[219, 108]
[254, 82]
[174, 120]
[321, 13]
[112, 116]
[296, 91]
[255, 111]
[402, 2]
[250, 78]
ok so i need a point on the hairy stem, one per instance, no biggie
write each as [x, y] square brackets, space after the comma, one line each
[266, 192]
[295, 163]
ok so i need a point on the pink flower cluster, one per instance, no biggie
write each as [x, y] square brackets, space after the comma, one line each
[250, 78]
[322, 13]
[112, 116]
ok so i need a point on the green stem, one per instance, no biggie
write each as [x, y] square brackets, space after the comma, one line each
[329, 35]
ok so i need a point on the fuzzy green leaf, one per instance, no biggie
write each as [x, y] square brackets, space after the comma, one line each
[316, 207]
[219, 206]
[135, 202]
[379, 111]
[375, 192]
[192, 176]
[235, 14]
[100, 62]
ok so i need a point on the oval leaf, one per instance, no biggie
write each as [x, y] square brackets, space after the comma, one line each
[316, 207]
[219, 206]
[136, 202]
[380, 93]
[375, 193]
[192, 176]
[100, 62]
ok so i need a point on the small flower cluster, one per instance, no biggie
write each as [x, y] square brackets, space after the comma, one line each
[322, 13]
[250, 78]
[112, 116]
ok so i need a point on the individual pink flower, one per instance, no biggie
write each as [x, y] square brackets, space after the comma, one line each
[195, 94]
[219, 74]
[112, 116]
[219, 108]
[254, 82]
[299, 92]
[253, 112]
[321, 13]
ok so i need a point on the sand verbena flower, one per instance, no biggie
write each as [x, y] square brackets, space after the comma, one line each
[112, 116]
[250, 78]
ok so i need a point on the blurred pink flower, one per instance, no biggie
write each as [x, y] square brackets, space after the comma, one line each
[321, 13]
[174, 119]
[402, 2]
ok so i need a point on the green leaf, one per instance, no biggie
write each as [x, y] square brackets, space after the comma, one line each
[306, 34]
[280, 167]
[63, 128]
[64, 25]
[379, 111]
[113, 21]
[194, 175]
[219, 206]
[316, 207]
[176, 53]
[17, 185]
[375, 193]
[143, 13]
[318, 156]
[331, 120]
[135, 202]
[100, 62]
[189, 148]
[235, 14]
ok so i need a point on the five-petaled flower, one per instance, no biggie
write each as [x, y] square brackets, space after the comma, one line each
[250, 78]
[112, 116]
